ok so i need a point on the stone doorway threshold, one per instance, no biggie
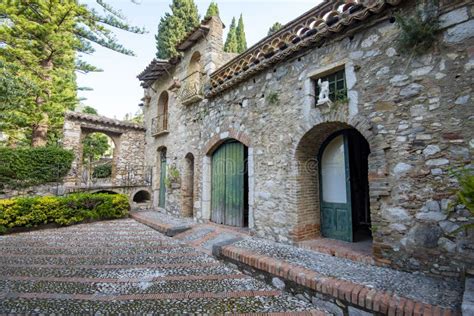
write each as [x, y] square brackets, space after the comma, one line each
[356, 251]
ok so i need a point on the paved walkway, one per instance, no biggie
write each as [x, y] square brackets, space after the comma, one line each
[125, 267]
[357, 283]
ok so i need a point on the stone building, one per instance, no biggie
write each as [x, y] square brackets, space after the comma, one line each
[246, 141]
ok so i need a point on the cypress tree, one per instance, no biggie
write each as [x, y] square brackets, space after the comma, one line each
[213, 10]
[240, 34]
[174, 27]
[275, 28]
[231, 45]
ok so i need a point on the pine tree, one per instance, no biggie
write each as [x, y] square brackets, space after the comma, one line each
[240, 34]
[231, 45]
[174, 27]
[275, 28]
[213, 10]
[41, 39]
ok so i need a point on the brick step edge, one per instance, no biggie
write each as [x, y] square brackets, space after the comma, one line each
[376, 301]
[165, 229]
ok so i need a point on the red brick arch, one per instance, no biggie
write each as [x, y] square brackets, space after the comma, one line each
[306, 181]
[220, 138]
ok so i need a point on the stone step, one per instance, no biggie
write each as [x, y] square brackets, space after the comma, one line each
[107, 260]
[132, 272]
[396, 293]
[238, 283]
[158, 222]
[244, 303]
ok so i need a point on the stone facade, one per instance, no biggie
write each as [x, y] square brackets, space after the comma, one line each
[415, 112]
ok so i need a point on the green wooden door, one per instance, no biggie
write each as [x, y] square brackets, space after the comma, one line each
[335, 193]
[162, 201]
[227, 182]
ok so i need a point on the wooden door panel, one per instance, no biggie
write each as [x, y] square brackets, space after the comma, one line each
[234, 203]
[227, 185]
[336, 214]
[162, 197]
[218, 187]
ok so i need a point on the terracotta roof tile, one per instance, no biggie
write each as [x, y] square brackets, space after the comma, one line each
[321, 22]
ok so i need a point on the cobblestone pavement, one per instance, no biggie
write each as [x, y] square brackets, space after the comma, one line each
[419, 287]
[359, 272]
[125, 267]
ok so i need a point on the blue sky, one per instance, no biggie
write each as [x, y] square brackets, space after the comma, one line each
[117, 91]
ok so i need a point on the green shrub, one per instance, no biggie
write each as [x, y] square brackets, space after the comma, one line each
[23, 167]
[417, 34]
[66, 210]
[102, 171]
[465, 194]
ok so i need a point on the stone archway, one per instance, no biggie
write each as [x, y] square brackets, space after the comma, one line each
[306, 181]
[128, 160]
[91, 141]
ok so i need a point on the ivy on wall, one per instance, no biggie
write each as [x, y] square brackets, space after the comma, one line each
[23, 167]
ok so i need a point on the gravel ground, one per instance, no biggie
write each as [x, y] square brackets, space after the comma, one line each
[416, 286]
[95, 268]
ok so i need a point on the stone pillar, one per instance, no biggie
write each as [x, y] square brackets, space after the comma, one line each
[72, 141]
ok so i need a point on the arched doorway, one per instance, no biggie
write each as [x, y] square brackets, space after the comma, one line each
[229, 184]
[344, 186]
[141, 196]
[188, 187]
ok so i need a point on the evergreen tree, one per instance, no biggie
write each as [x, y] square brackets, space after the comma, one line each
[90, 110]
[41, 39]
[240, 34]
[275, 28]
[174, 27]
[231, 45]
[213, 10]
[94, 146]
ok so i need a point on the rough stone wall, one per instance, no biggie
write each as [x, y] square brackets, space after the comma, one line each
[55, 188]
[416, 112]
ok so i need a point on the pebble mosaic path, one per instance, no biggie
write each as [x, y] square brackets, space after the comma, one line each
[124, 267]
[358, 281]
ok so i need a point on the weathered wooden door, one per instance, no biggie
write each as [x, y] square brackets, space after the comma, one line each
[227, 183]
[335, 193]
[162, 201]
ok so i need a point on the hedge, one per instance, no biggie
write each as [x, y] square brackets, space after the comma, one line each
[102, 171]
[65, 210]
[23, 167]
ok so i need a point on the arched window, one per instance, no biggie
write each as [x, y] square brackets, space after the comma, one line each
[192, 90]
[195, 64]
[160, 122]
